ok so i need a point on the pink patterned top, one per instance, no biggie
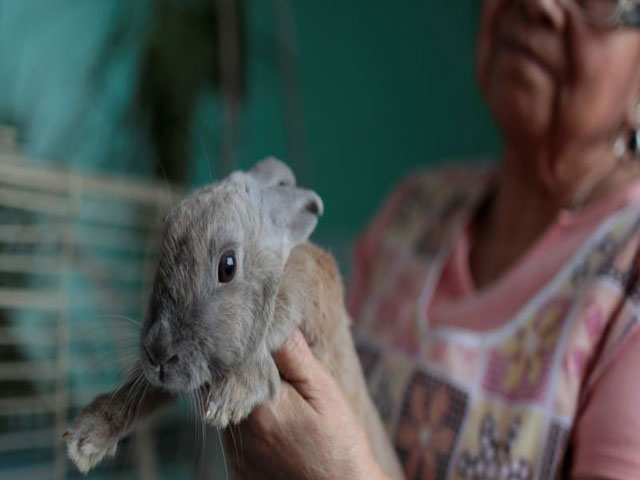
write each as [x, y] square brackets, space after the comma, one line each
[531, 377]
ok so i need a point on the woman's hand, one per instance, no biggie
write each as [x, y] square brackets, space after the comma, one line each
[308, 430]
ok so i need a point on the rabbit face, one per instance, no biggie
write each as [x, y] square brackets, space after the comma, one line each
[223, 253]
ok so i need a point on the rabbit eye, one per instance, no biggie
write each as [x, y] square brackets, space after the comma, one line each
[227, 267]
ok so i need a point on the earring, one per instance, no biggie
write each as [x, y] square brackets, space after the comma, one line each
[630, 143]
[633, 145]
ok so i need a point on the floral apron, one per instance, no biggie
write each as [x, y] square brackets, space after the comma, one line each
[497, 404]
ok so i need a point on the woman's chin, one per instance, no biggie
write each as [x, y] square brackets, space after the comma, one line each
[521, 116]
[522, 102]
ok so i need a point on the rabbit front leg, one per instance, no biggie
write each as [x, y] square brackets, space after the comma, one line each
[97, 429]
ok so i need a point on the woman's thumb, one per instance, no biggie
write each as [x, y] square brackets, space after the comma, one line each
[299, 367]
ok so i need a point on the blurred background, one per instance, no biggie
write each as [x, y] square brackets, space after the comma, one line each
[112, 109]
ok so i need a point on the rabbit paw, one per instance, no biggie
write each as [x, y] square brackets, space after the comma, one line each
[88, 442]
[226, 410]
[233, 401]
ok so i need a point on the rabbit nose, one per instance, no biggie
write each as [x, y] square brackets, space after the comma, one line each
[159, 358]
[158, 345]
[314, 205]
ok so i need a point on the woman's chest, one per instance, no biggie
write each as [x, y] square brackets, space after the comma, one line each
[466, 404]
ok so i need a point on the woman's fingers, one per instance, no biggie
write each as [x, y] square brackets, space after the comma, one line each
[307, 430]
[300, 368]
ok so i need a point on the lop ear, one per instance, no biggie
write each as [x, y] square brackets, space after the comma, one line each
[295, 213]
[271, 172]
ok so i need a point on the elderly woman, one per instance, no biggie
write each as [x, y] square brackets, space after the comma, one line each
[497, 307]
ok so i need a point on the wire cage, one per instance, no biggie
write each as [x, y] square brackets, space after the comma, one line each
[77, 255]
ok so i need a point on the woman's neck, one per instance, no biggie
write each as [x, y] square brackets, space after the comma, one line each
[531, 190]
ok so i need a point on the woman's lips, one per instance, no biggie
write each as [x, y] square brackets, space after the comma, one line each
[526, 52]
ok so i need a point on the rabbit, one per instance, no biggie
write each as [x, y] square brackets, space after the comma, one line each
[236, 276]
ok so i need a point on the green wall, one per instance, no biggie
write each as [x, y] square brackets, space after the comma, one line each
[383, 89]
[379, 88]
[387, 87]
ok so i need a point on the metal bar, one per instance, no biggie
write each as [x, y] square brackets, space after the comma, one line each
[94, 268]
[30, 234]
[33, 201]
[32, 404]
[33, 263]
[147, 468]
[46, 403]
[87, 235]
[40, 370]
[24, 298]
[144, 192]
[56, 206]
[27, 440]
[41, 336]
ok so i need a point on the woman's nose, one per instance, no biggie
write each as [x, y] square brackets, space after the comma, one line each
[551, 12]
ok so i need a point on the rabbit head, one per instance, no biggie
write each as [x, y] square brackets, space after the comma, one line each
[223, 254]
